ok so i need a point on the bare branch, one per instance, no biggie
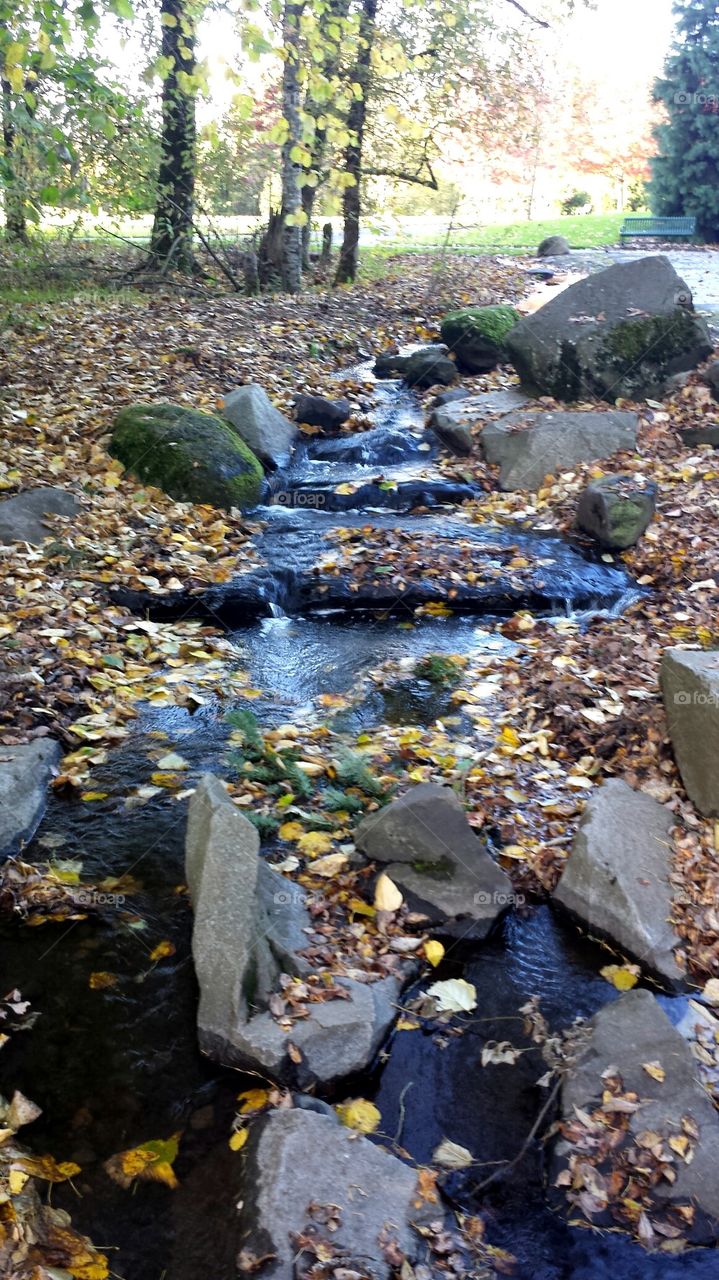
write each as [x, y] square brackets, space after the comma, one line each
[525, 13]
[401, 176]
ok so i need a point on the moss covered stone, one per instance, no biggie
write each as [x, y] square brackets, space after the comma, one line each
[476, 335]
[193, 456]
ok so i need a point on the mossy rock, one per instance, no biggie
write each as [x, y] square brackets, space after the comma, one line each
[477, 334]
[193, 456]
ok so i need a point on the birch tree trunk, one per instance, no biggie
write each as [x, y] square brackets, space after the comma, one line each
[292, 170]
[356, 120]
[171, 242]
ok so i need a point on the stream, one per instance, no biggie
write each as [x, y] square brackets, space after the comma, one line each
[115, 1067]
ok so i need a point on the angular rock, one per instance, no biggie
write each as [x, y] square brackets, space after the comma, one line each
[625, 1035]
[250, 926]
[294, 1159]
[621, 332]
[21, 517]
[711, 377]
[453, 423]
[456, 435]
[528, 447]
[450, 396]
[707, 433]
[435, 856]
[266, 431]
[423, 368]
[690, 688]
[193, 456]
[616, 879]
[616, 511]
[476, 335]
[370, 448]
[25, 773]
[553, 247]
[318, 411]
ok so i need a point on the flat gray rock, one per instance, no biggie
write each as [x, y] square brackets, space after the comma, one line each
[453, 422]
[625, 1035]
[295, 1158]
[21, 517]
[622, 332]
[690, 687]
[616, 879]
[269, 434]
[707, 433]
[529, 446]
[25, 774]
[250, 927]
[458, 900]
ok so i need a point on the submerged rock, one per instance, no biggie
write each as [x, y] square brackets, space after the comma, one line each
[250, 928]
[21, 517]
[616, 510]
[25, 773]
[380, 447]
[616, 879]
[528, 447]
[193, 456]
[266, 431]
[690, 687]
[318, 411]
[621, 332]
[435, 857]
[477, 334]
[633, 1049]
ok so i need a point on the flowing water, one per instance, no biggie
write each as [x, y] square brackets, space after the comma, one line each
[113, 1068]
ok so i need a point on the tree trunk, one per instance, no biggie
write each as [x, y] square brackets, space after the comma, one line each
[334, 16]
[14, 198]
[171, 242]
[356, 120]
[292, 171]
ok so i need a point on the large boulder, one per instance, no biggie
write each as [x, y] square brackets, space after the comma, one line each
[476, 335]
[638, 1131]
[251, 927]
[616, 510]
[22, 517]
[301, 1175]
[622, 332]
[318, 411]
[616, 879]
[193, 456]
[266, 431]
[528, 447]
[435, 857]
[25, 773]
[553, 247]
[690, 687]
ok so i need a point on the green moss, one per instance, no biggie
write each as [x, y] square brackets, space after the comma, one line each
[439, 669]
[491, 323]
[193, 456]
[662, 337]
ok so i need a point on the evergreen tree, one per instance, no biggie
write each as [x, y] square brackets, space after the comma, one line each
[685, 173]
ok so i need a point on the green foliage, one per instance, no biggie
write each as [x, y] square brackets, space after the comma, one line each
[684, 174]
[493, 323]
[440, 669]
[575, 201]
[337, 801]
[352, 771]
[245, 723]
[259, 761]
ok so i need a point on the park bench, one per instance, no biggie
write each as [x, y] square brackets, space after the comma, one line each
[659, 228]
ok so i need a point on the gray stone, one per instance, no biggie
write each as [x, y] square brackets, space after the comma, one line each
[616, 879]
[318, 411]
[294, 1158]
[529, 446]
[21, 517]
[250, 927]
[622, 332]
[453, 423]
[456, 436]
[25, 773]
[269, 434]
[476, 335]
[435, 855]
[625, 1035]
[711, 377]
[553, 247]
[690, 687]
[707, 433]
[616, 510]
[451, 396]
[422, 368]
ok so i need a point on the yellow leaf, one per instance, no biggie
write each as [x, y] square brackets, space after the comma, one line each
[238, 1139]
[408, 1024]
[291, 831]
[93, 795]
[510, 736]
[655, 1070]
[162, 950]
[680, 1145]
[623, 977]
[433, 951]
[313, 843]
[253, 1100]
[168, 780]
[387, 896]
[330, 865]
[359, 1114]
[360, 908]
[16, 1181]
[100, 981]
